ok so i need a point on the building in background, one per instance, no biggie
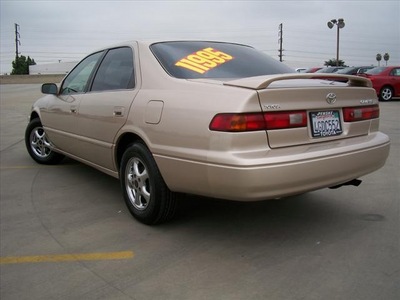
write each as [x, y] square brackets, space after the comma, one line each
[54, 69]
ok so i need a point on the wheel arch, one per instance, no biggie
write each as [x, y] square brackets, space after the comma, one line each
[387, 85]
[123, 143]
[34, 115]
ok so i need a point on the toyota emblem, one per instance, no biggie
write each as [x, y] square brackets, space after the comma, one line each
[331, 98]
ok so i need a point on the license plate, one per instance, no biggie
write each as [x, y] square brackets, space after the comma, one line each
[325, 123]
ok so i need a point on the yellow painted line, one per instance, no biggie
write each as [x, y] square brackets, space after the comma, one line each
[66, 257]
[20, 167]
[35, 167]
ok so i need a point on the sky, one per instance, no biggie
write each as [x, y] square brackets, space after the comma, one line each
[52, 31]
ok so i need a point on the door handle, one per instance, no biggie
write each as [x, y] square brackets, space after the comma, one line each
[119, 111]
[73, 109]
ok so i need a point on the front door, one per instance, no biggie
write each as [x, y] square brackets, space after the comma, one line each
[104, 108]
[59, 118]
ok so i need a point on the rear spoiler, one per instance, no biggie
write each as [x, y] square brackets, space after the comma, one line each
[262, 82]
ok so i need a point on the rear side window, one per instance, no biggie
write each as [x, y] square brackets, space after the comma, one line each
[115, 71]
[215, 60]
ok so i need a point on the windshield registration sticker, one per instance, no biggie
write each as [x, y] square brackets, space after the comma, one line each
[204, 60]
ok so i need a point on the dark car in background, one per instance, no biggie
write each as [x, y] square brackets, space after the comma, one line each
[354, 70]
[385, 81]
[329, 70]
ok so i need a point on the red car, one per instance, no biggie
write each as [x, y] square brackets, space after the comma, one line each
[312, 70]
[386, 81]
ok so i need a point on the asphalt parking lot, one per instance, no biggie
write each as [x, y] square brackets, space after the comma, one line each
[66, 233]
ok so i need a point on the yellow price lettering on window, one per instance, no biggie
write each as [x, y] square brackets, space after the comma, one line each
[204, 60]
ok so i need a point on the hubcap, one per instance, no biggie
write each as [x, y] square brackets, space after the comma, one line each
[137, 183]
[40, 145]
[386, 94]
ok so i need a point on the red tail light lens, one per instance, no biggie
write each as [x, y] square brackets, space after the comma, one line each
[238, 122]
[258, 121]
[353, 114]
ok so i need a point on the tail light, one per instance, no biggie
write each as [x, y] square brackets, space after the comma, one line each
[232, 122]
[353, 114]
[285, 119]
[238, 122]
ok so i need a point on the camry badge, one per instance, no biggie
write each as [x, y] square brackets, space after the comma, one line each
[331, 98]
[368, 101]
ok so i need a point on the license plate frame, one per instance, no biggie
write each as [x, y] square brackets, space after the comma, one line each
[326, 123]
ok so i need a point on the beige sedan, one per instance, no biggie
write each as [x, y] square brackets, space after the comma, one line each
[215, 119]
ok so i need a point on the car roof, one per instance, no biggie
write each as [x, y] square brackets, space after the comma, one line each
[150, 42]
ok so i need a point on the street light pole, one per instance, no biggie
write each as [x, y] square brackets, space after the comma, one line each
[339, 24]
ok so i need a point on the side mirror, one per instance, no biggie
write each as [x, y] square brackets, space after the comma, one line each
[50, 88]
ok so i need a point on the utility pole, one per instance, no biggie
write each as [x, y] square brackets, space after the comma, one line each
[17, 42]
[280, 40]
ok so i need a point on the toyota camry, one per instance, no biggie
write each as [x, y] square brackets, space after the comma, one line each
[216, 119]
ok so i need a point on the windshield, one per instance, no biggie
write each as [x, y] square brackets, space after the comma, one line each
[346, 70]
[329, 70]
[215, 60]
[376, 70]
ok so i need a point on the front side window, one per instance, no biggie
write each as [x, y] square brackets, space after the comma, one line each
[200, 59]
[395, 72]
[77, 80]
[115, 71]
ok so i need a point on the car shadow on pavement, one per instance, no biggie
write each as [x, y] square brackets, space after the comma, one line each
[311, 214]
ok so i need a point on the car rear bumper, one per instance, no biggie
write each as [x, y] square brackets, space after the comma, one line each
[278, 173]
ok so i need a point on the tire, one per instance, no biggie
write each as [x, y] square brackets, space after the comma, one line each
[38, 145]
[145, 193]
[386, 93]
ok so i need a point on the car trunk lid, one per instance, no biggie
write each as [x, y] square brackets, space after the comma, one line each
[325, 103]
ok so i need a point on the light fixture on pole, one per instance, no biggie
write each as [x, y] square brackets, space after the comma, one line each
[340, 24]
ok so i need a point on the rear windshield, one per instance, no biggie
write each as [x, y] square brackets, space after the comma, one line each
[215, 60]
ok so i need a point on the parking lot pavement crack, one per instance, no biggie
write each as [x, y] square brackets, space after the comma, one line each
[104, 280]
[10, 146]
[31, 196]
[81, 263]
